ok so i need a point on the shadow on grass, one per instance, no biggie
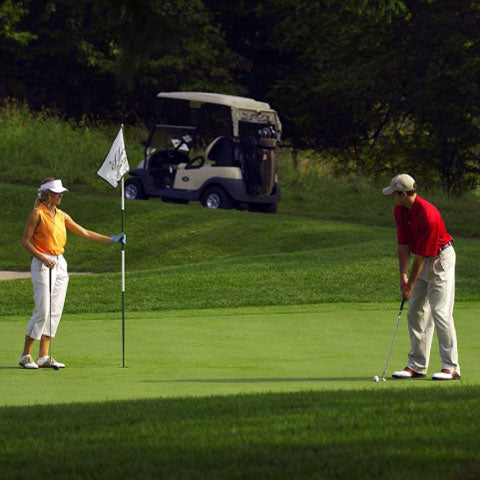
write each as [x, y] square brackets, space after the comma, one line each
[298, 435]
[259, 380]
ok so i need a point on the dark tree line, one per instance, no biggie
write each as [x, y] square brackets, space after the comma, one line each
[383, 85]
[109, 58]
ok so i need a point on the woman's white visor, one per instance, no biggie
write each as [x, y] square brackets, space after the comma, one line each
[54, 186]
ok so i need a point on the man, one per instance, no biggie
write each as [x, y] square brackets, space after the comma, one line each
[430, 287]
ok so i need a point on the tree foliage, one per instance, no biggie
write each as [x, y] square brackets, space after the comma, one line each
[384, 85]
[391, 92]
[11, 13]
[109, 59]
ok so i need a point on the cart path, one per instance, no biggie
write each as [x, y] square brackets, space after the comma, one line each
[14, 275]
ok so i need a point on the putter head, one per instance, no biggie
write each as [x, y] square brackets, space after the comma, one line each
[55, 367]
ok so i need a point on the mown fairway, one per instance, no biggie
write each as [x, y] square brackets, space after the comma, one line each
[223, 352]
[239, 393]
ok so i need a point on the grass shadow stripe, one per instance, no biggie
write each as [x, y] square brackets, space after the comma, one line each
[259, 380]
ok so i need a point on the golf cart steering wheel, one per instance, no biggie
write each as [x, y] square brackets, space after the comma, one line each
[182, 142]
[199, 158]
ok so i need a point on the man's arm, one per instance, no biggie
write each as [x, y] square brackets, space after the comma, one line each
[417, 266]
[403, 261]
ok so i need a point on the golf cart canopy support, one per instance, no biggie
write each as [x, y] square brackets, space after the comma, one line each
[242, 108]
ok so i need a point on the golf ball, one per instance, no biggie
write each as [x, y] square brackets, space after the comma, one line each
[376, 379]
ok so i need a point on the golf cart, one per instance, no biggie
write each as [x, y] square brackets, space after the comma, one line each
[227, 161]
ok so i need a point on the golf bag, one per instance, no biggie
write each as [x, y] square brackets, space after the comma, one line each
[259, 165]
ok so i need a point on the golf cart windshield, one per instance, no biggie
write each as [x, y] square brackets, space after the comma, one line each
[171, 137]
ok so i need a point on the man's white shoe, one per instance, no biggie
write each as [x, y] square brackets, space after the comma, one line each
[446, 374]
[407, 372]
[48, 362]
[26, 361]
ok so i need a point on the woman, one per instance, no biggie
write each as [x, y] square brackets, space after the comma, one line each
[45, 237]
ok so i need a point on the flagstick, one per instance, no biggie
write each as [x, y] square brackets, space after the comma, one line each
[112, 170]
[123, 277]
[123, 270]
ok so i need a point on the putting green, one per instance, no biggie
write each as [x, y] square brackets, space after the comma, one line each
[224, 352]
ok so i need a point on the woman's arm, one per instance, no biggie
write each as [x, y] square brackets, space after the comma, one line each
[83, 232]
[30, 227]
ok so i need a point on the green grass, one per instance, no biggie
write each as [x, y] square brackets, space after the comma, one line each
[263, 436]
[35, 146]
[251, 339]
[335, 274]
[277, 392]
[184, 257]
[222, 351]
[358, 201]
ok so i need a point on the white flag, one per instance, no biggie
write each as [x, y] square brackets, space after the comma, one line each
[116, 164]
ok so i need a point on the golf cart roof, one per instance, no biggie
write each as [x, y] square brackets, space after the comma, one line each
[243, 108]
[219, 99]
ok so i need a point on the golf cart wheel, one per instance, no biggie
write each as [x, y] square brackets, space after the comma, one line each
[263, 207]
[134, 189]
[216, 197]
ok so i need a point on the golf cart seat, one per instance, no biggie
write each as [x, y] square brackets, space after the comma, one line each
[177, 157]
[157, 163]
[220, 151]
[161, 169]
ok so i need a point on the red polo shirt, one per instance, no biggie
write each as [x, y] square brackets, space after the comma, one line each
[421, 227]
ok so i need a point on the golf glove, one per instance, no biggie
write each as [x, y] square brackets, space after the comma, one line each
[121, 237]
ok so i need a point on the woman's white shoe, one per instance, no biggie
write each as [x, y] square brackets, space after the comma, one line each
[26, 361]
[47, 362]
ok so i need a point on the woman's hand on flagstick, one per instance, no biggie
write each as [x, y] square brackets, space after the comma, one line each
[121, 237]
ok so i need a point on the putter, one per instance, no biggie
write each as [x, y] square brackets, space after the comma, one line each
[382, 378]
[50, 317]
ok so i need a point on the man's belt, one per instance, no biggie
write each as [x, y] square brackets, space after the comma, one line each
[445, 246]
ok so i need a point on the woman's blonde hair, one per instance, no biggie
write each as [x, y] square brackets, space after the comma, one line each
[45, 195]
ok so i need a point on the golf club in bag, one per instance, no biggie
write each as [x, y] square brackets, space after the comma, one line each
[382, 378]
[55, 367]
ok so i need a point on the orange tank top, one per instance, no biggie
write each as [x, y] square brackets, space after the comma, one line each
[50, 236]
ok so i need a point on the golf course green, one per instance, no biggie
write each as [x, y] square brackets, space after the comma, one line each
[251, 340]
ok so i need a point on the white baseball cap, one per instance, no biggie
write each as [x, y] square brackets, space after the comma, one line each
[400, 183]
[54, 186]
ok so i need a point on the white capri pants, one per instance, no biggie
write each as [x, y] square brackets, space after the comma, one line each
[40, 321]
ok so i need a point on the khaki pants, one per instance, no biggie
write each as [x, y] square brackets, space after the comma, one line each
[431, 305]
[40, 321]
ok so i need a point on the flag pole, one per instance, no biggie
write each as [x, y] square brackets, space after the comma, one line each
[123, 270]
[114, 167]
